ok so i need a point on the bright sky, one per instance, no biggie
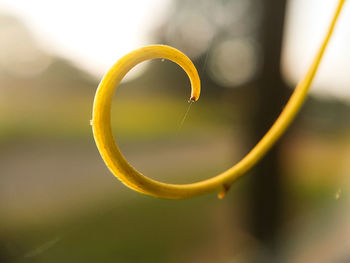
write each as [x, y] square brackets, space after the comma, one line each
[307, 22]
[94, 34]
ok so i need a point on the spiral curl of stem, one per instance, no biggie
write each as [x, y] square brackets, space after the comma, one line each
[119, 166]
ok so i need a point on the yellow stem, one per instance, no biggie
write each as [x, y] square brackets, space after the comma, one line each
[102, 130]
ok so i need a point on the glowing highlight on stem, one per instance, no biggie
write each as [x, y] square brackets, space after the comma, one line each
[115, 161]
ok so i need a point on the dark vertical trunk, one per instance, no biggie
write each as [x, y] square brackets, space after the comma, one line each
[272, 93]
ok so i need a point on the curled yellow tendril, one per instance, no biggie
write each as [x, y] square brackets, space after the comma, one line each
[102, 130]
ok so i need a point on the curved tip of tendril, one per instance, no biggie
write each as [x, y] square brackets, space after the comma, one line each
[192, 99]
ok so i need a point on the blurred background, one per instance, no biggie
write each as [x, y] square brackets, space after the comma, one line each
[59, 202]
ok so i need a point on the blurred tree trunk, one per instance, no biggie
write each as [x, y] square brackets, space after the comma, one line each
[271, 94]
